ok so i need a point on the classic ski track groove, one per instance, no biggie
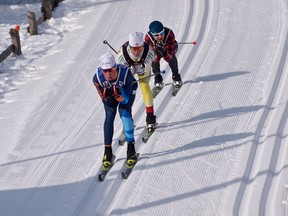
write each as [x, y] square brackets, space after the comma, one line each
[280, 131]
[260, 131]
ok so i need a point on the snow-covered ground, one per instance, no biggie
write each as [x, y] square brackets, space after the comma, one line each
[221, 146]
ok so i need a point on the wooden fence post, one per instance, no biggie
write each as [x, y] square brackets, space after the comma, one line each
[54, 4]
[46, 9]
[32, 29]
[15, 39]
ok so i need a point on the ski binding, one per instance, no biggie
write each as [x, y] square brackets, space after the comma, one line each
[176, 87]
[105, 168]
[128, 166]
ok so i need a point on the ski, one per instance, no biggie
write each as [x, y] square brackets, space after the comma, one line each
[122, 139]
[148, 131]
[156, 89]
[176, 87]
[104, 170]
[128, 166]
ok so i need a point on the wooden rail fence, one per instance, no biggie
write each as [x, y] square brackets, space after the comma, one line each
[15, 48]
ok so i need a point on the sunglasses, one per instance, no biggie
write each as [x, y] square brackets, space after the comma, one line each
[136, 48]
[107, 70]
[159, 33]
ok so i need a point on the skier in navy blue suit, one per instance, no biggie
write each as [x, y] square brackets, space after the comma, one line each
[117, 88]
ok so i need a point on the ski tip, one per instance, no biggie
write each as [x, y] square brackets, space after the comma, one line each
[113, 159]
[124, 176]
[100, 178]
[120, 142]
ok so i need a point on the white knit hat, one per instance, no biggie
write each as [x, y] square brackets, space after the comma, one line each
[107, 61]
[136, 39]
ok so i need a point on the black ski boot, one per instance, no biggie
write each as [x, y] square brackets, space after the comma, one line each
[177, 82]
[158, 81]
[107, 158]
[132, 158]
[150, 119]
[107, 163]
[131, 154]
[151, 122]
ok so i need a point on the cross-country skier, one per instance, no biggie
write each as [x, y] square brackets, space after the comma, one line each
[139, 56]
[162, 40]
[117, 88]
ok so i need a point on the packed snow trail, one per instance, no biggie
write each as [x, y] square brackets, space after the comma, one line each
[220, 148]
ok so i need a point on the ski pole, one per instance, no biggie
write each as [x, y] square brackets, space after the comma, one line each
[161, 72]
[106, 42]
[193, 42]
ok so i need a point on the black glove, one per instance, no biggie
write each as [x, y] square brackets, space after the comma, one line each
[107, 93]
[160, 50]
[117, 93]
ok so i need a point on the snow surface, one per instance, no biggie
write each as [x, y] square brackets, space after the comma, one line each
[221, 146]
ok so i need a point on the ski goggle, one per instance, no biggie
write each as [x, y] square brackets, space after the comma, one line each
[136, 48]
[107, 70]
[159, 33]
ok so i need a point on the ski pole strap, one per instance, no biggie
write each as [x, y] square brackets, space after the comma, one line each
[106, 42]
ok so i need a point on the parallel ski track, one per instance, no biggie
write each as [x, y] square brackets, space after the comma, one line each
[280, 132]
[256, 142]
[166, 99]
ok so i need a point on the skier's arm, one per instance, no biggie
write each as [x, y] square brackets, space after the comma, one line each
[121, 58]
[127, 89]
[104, 93]
[98, 87]
[170, 46]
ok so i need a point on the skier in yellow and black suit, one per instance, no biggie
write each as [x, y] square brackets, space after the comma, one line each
[139, 56]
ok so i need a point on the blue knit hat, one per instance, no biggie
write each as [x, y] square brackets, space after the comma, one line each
[156, 26]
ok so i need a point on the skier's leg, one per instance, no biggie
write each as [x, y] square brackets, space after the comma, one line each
[127, 121]
[156, 69]
[173, 63]
[125, 114]
[147, 98]
[110, 112]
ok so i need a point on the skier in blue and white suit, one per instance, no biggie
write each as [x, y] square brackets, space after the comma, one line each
[117, 88]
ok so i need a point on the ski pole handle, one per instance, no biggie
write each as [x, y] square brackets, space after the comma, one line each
[161, 72]
[106, 42]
